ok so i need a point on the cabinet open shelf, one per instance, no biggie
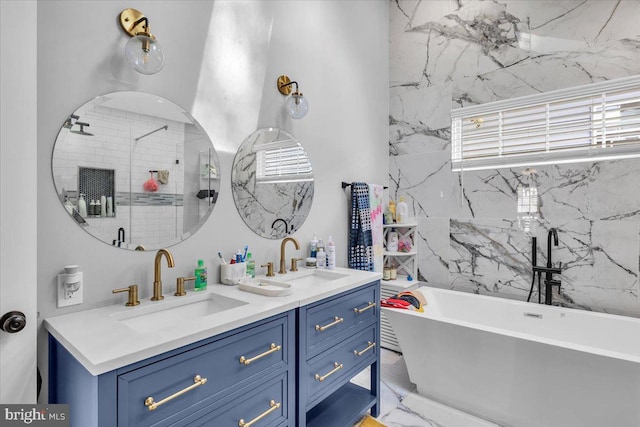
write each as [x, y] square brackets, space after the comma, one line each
[338, 409]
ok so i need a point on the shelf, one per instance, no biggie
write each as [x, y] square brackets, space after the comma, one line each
[343, 408]
[410, 253]
[400, 283]
[403, 225]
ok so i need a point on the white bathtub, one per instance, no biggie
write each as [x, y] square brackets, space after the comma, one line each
[522, 364]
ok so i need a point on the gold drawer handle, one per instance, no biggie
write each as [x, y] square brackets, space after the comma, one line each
[337, 367]
[336, 320]
[272, 349]
[360, 310]
[273, 407]
[197, 382]
[370, 345]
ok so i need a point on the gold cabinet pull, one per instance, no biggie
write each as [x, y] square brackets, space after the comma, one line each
[370, 345]
[197, 382]
[360, 310]
[336, 320]
[272, 349]
[337, 367]
[273, 406]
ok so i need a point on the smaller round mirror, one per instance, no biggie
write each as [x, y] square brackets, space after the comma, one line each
[272, 183]
[135, 170]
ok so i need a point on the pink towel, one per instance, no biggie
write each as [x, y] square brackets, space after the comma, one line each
[375, 204]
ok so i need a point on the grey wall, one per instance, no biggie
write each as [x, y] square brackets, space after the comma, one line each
[222, 61]
[446, 54]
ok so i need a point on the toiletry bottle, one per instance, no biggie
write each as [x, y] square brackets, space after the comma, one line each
[82, 206]
[251, 266]
[92, 208]
[98, 208]
[331, 254]
[103, 206]
[402, 212]
[320, 247]
[68, 206]
[313, 246]
[321, 258]
[392, 209]
[201, 277]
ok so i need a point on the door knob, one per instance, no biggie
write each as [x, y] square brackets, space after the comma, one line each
[13, 321]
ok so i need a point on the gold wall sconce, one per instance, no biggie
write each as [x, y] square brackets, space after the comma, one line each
[297, 105]
[142, 51]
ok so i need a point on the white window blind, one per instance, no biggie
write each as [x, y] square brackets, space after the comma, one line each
[282, 162]
[595, 122]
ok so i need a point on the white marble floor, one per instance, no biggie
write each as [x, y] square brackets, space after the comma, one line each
[400, 405]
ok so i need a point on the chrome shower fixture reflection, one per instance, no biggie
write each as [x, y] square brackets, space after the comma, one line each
[81, 131]
[71, 120]
[165, 127]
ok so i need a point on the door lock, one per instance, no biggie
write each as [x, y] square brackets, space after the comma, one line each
[13, 321]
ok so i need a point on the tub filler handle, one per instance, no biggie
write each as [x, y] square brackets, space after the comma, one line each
[536, 315]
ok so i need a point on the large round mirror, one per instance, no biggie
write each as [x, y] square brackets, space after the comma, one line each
[272, 183]
[135, 170]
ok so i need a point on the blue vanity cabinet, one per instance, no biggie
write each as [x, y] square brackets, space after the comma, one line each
[337, 338]
[249, 371]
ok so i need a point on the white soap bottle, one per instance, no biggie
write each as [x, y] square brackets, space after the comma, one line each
[103, 206]
[82, 206]
[331, 254]
[321, 258]
[402, 212]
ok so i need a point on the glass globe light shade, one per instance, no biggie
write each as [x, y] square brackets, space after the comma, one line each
[297, 105]
[145, 54]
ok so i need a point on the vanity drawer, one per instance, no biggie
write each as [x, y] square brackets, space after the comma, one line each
[333, 321]
[269, 400]
[329, 370]
[261, 348]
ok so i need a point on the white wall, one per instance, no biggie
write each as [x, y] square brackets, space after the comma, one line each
[224, 70]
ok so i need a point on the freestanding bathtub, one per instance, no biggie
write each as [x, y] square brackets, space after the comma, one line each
[522, 364]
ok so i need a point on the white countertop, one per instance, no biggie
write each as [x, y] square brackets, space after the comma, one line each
[102, 342]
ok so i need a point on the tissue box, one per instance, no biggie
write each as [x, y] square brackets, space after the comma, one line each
[230, 274]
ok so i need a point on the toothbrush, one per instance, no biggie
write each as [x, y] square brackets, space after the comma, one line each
[221, 258]
[244, 257]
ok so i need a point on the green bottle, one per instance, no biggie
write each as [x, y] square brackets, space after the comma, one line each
[251, 266]
[201, 277]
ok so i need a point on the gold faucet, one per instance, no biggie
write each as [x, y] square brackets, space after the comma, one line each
[283, 263]
[157, 279]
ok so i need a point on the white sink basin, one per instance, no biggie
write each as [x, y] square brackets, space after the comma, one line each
[175, 313]
[312, 278]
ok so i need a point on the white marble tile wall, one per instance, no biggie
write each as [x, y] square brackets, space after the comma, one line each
[450, 53]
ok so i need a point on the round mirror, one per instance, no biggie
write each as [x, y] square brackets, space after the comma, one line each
[272, 183]
[135, 170]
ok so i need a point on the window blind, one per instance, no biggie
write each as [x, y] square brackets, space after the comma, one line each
[281, 163]
[594, 122]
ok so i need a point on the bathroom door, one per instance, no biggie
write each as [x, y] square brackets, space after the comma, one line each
[18, 195]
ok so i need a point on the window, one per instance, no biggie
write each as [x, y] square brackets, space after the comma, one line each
[282, 161]
[595, 122]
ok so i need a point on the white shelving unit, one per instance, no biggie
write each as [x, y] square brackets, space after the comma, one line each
[406, 264]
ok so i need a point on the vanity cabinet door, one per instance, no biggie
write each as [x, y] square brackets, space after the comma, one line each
[332, 321]
[234, 361]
